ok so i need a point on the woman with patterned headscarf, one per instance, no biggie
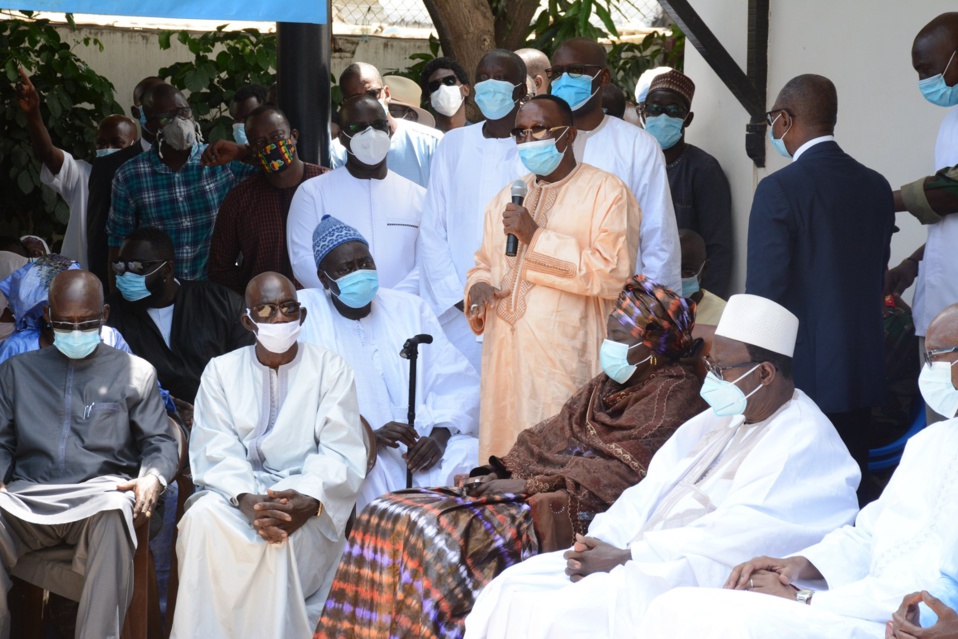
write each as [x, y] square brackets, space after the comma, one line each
[451, 542]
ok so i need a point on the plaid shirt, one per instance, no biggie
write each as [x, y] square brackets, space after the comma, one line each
[146, 192]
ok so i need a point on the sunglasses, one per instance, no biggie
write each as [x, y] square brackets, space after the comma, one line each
[449, 81]
[137, 267]
[537, 132]
[672, 110]
[355, 128]
[165, 118]
[87, 325]
[574, 71]
[266, 312]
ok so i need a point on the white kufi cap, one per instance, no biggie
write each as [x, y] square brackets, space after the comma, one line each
[645, 81]
[760, 322]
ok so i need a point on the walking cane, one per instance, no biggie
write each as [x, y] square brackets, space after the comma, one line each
[410, 351]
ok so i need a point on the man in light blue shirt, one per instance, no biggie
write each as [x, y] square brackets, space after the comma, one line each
[412, 144]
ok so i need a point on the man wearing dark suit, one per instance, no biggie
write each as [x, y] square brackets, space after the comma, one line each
[818, 243]
[101, 186]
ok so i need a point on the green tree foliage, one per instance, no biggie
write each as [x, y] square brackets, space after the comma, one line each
[223, 61]
[74, 98]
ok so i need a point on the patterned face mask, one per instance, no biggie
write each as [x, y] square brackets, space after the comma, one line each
[278, 156]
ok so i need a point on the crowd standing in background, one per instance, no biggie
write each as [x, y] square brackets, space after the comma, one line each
[482, 378]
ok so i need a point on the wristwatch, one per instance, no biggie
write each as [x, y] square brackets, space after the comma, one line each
[805, 596]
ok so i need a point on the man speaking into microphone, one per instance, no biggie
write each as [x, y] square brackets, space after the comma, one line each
[543, 311]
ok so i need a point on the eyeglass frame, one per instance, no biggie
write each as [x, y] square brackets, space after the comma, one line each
[524, 134]
[929, 354]
[557, 71]
[274, 308]
[379, 125]
[769, 120]
[719, 371]
[435, 85]
[165, 118]
[683, 113]
[63, 325]
[126, 263]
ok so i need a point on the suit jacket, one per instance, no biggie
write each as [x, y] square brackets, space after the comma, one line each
[818, 244]
[98, 207]
[206, 324]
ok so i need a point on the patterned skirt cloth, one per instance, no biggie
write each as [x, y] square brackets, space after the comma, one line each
[417, 559]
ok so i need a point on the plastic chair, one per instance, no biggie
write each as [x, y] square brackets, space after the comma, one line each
[890, 455]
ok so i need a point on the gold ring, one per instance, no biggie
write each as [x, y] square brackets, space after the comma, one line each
[148, 513]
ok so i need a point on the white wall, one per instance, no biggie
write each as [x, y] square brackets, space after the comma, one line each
[864, 47]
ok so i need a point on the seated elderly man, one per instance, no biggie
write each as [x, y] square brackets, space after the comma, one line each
[368, 326]
[277, 454]
[178, 326]
[764, 468]
[905, 541]
[85, 447]
[451, 542]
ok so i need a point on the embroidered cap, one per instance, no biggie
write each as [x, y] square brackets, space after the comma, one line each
[760, 322]
[645, 80]
[676, 82]
[329, 234]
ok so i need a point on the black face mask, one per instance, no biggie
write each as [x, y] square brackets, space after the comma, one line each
[277, 156]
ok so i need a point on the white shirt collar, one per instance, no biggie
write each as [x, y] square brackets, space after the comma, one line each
[810, 144]
[146, 146]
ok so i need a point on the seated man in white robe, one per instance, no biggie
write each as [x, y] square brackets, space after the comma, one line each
[763, 468]
[384, 206]
[851, 584]
[85, 448]
[278, 456]
[369, 327]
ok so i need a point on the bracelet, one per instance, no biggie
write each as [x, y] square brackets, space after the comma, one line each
[320, 511]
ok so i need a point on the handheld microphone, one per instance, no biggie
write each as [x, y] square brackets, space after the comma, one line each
[519, 190]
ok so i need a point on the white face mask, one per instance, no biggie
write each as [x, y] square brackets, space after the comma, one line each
[446, 100]
[180, 134]
[936, 388]
[278, 338]
[370, 146]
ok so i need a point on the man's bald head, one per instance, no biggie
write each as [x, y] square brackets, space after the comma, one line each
[812, 100]
[360, 108]
[580, 51]
[143, 86]
[269, 288]
[934, 46]
[116, 132]
[943, 330]
[75, 294]
[502, 64]
[360, 77]
[536, 64]
[693, 251]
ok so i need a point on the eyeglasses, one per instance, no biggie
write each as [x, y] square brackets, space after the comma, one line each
[771, 120]
[365, 264]
[374, 93]
[574, 71]
[538, 132]
[671, 110]
[930, 355]
[355, 128]
[719, 371]
[137, 267]
[165, 118]
[86, 325]
[449, 81]
[691, 273]
[264, 141]
[265, 312]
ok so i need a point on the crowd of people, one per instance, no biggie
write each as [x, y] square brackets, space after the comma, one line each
[483, 379]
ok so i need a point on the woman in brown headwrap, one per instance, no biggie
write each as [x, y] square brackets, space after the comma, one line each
[417, 558]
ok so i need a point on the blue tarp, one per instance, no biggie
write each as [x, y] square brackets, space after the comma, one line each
[311, 11]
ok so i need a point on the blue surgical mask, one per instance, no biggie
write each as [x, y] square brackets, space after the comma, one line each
[575, 91]
[239, 133]
[665, 129]
[936, 388]
[132, 286]
[357, 289]
[541, 156]
[142, 118]
[494, 98]
[102, 153]
[779, 143]
[725, 397]
[690, 286]
[76, 344]
[936, 91]
[614, 357]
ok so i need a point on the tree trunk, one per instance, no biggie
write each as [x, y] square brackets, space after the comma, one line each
[466, 29]
[512, 24]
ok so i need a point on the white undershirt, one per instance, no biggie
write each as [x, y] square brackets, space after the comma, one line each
[163, 318]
